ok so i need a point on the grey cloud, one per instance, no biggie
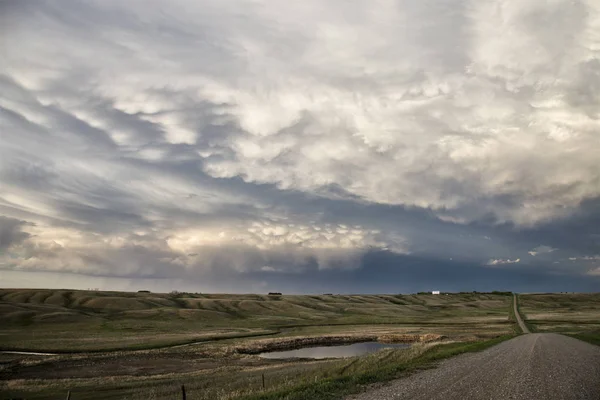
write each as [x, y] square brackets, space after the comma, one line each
[542, 249]
[131, 128]
[10, 232]
[438, 171]
[584, 93]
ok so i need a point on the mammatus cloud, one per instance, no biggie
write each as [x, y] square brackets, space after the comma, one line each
[140, 139]
[243, 247]
[400, 121]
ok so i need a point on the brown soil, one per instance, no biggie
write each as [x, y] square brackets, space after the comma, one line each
[118, 365]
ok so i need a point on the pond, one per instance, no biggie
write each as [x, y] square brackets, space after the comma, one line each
[320, 352]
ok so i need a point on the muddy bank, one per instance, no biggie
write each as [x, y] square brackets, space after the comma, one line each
[292, 343]
[410, 338]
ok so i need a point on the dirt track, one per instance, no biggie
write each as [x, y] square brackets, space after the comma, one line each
[535, 366]
[518, 316]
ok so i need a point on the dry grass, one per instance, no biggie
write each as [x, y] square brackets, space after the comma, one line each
[293, 379]
[121, 322]
[564, 313]
[223, 383]
[58, 320]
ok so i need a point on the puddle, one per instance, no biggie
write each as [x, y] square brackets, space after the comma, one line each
[320, 352]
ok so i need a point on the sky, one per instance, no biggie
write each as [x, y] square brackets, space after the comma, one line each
[305, 147]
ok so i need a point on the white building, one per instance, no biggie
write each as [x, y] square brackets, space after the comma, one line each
[435, 292]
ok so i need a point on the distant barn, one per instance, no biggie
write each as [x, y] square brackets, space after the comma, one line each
[435, 292]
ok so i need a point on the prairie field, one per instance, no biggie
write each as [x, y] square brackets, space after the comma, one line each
[69, 321]
[576, 314]
[145, 345]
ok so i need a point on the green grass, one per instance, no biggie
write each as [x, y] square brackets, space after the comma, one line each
[152, 345]
[326, 379]
[572, 313]
[100, 321]
[337, 387]
[590, 337]
[75, 321]
[82, 321]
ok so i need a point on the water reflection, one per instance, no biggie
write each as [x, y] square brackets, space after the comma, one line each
[319, 352]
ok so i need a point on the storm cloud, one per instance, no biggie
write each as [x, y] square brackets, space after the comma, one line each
[234, 145]
[10, 232]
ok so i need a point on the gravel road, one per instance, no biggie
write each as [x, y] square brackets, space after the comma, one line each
[518, 316]
[542, 366]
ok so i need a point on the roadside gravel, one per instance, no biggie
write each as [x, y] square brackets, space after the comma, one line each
[535, 366]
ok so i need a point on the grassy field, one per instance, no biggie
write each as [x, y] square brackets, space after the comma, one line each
[133, 345]
[326, 379]
[575, 314]
[56, 320]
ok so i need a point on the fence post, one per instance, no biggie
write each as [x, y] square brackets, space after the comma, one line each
[183, 392]
[263, 380]
[69, 395]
